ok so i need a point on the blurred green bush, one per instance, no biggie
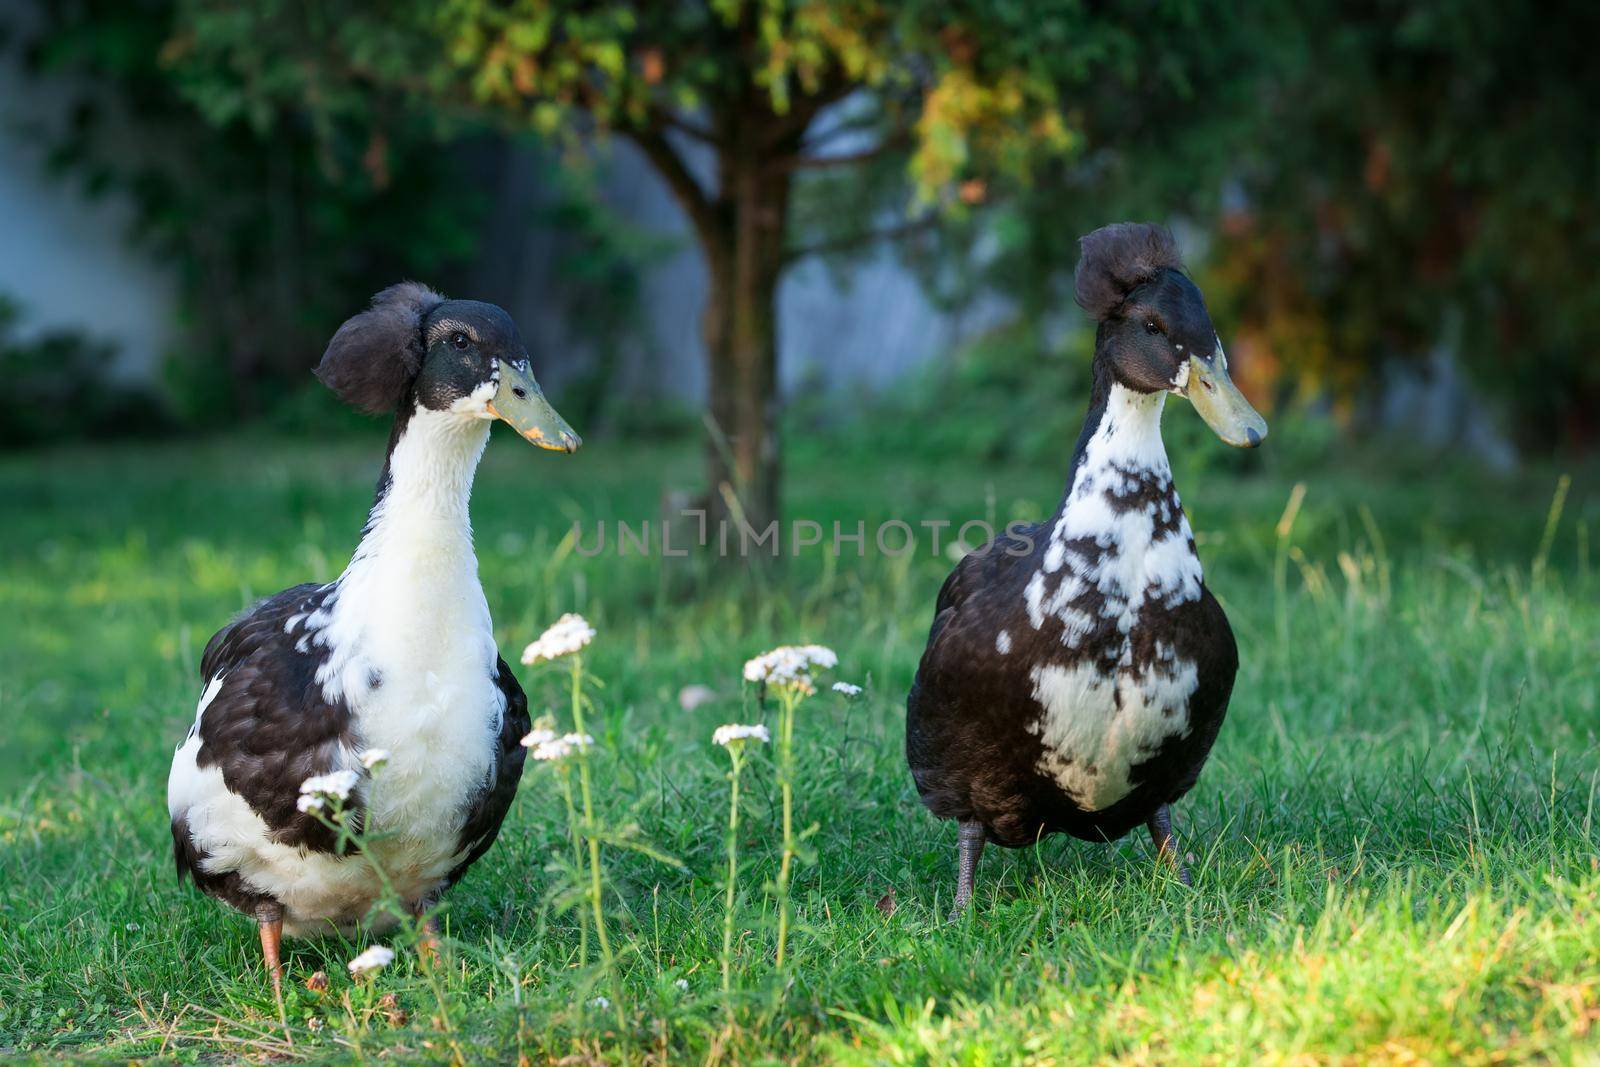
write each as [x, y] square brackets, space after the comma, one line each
[58, 384]
[274, 224]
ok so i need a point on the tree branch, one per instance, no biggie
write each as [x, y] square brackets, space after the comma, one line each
[805, 108]
[850, 128]
[667, 117]
[685, 189]
[789, 164]
[852, 242]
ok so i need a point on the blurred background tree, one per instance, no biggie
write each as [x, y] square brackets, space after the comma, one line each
[726, 99]
[1427, 187]
[1370, 192]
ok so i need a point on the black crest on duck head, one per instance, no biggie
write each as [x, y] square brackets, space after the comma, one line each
[376, 355]
[1117, 259]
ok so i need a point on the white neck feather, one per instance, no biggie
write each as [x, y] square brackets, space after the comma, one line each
[1129, 436]
[1133, 557]
[411, 591]
[430, 483]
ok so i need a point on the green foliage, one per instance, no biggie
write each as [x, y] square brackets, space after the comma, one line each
[1008, 396]
[975, 92]
[601, 261]
[1400, 177]
[59, 385]
[278, 217]
[631, 66]
[1426, 176]
[957, 106]
[953, 105]
[1394, 841]
[1018, 395]
[1166, 126]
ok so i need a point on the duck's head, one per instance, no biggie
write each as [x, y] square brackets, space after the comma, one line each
[462, 357]
[1155, 334]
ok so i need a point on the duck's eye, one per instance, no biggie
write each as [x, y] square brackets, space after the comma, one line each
[522, 394]
[1151, 327]
[459, 340]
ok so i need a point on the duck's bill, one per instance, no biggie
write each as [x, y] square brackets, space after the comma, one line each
[521, 403]
[1220, 403]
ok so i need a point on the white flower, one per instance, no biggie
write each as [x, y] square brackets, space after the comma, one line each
[692, 696]
[600, 1002]
[683, 984]
[847, 689]
[373, 959]
[318, 788]
[538, 737]
[733, 732]
[559, 748]
[373, 758]
[569, 634]
[790, 665]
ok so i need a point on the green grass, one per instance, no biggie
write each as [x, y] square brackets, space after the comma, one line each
[1394, 843]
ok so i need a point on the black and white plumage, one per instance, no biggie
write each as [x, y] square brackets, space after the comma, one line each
[1077, 670]
[397, 654]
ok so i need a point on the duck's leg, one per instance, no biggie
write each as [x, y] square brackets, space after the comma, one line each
[1166, 842]
[969, 846]
[428, 941]
[269, 920]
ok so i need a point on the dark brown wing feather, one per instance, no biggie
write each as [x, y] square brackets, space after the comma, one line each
[268, 727]
[969, 744]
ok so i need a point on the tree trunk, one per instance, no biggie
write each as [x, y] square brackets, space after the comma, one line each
[740, 227]
[743, 242]
[740, 328]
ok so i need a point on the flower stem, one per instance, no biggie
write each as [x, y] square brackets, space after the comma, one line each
[410, 919]
[594, 843]
[574, 832]
[786, 785]
[733, 876]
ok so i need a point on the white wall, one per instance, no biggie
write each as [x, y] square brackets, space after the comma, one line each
[63, 257]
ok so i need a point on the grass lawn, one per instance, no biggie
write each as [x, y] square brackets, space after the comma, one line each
[1394, 844]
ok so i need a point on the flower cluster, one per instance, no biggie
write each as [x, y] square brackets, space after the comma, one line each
[847, 689]
[320, 788]
[570, 633]
[373, 758]
[734, 733]
[556, 748]
[375, 958]
[790, 666]
[539, 736]
[788, 669]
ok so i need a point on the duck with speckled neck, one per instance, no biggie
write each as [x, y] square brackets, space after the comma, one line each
[1078, 670]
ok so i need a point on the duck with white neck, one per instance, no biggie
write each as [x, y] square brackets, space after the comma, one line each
[384, 685]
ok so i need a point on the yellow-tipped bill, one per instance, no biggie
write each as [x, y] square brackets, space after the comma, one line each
[1220, 403]
[521, 403]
